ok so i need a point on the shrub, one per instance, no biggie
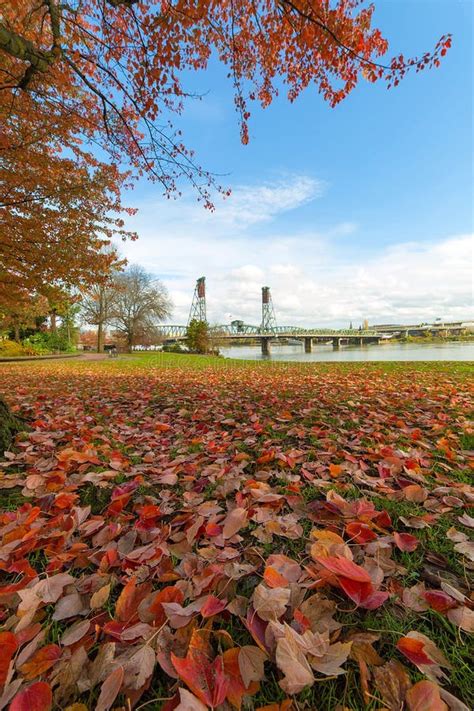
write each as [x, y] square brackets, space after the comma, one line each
[11, 349]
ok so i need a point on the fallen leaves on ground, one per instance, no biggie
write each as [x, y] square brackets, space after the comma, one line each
[224, 534]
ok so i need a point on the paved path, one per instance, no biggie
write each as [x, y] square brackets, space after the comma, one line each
[61, 356]
[93, 356]
[41, 357]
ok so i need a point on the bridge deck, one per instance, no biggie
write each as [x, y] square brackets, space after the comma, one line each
[248, 331]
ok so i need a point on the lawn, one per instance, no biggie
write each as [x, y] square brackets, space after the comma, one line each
[189, 532]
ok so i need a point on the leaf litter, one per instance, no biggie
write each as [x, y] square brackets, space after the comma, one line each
[206, 532]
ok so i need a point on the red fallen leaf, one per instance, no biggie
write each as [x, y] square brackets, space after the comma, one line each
[383, 519]
[41, 661]
[374, 600]
[414, 650]
[118, 504]
[129, 599]
[439, 601]
[302, 620]
[363, 594]
[425, 696]
[212, 606]
[213, 529]
[8, 647]
[257, 627]
[206, 679]
[266, 457]
[154, 611]
[273, 578]
[355, 590]
[162, 427]
[37, 697]
[405, 541]
[360, 532]
[65, 501]
[149, 513]
[345, 567]
[236, 688]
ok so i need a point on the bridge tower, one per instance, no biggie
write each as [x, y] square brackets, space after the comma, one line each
[268, 312]
[197, 311]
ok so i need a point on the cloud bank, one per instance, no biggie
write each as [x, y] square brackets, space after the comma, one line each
[247, 243]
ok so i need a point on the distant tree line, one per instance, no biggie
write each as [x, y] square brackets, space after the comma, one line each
[130, 303]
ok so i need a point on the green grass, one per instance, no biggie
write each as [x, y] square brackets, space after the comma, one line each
[11, 499]
[158, 360]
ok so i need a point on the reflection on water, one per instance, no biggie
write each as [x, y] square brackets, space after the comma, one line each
[373, 352]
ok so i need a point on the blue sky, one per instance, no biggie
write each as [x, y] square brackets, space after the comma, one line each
[363, 211]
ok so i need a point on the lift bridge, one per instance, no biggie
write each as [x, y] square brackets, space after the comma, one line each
[268, 330]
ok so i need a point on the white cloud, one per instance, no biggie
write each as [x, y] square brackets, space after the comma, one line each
[242, 246]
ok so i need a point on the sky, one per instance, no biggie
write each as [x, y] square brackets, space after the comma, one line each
[359, 212]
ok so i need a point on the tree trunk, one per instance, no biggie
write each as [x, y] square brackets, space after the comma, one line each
[9, 426]
[16, 327]
[53, 324]
[100, 337]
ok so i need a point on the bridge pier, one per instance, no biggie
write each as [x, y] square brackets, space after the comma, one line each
[265, 343]
[336, 343]
[308, 345]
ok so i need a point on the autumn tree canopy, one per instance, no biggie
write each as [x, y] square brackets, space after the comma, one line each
[91, 92]
[56, 220]
[110, 71]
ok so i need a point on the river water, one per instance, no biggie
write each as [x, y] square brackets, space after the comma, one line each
[373, 352]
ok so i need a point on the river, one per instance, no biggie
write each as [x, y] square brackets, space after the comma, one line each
[387, 351]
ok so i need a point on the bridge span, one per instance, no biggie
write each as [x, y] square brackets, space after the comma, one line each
[268, 330]
[228, 332]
